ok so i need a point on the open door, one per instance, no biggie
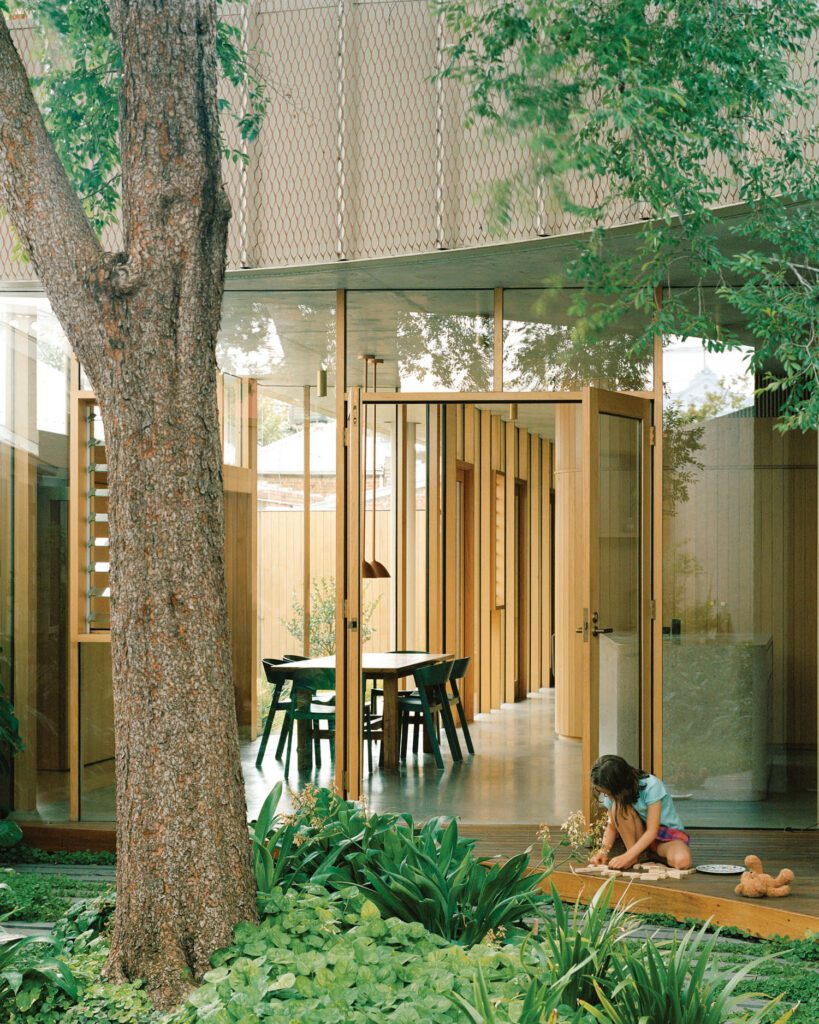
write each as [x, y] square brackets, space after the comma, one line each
[617, 617]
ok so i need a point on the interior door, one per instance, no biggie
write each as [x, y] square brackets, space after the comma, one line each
[617, 618]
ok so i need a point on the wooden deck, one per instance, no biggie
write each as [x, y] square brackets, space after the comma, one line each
[698, 896]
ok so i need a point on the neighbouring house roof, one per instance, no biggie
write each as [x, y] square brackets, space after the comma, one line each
[285, 457]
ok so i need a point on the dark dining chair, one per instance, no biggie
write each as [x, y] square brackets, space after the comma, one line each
[377, 691]
[277, 675]
[305, 707]
[429, 699]
[459, 667]
[373, 730]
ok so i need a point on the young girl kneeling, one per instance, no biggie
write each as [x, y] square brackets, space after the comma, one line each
[641, 813]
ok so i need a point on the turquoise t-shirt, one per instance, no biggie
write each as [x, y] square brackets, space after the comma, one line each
[652, 791]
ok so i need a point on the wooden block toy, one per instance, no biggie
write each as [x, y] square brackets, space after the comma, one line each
[649, 872]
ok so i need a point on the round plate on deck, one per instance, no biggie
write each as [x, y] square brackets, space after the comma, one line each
[720, 869]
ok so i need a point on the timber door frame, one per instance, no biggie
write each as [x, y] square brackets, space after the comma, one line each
[599, 402]
[465, 476]
[593, 401]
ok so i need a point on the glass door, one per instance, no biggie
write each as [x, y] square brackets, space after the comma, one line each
[616, 623]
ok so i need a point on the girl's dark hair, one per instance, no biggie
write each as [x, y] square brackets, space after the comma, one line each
[616, 776]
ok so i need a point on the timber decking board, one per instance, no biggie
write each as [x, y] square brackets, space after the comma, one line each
[700, 896]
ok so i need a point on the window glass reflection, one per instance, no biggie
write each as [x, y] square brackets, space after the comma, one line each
[547, 346]
[739, 596]
[429, 341]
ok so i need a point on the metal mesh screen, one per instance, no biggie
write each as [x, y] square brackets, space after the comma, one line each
[362, 152]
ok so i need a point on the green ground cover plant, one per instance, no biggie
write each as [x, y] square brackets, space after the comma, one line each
[336, 952]
[22, 853]
[30, 897]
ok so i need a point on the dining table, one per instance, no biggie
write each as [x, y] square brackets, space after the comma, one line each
[387, 667]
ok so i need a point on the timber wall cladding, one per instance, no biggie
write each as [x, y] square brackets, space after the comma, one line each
[740, 559]
[569, 571]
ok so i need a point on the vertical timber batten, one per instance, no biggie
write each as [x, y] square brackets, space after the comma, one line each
[306, 538]
[657, 554]
[74, 604]
[510, 566]
[497, 358]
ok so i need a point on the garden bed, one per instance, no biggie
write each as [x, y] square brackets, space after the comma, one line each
[446, 944]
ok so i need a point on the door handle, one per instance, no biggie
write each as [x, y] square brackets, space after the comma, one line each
[604, 629]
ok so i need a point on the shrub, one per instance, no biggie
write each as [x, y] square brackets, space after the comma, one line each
[428, 873]
[25, 971]
[676, 983]
[10, 833]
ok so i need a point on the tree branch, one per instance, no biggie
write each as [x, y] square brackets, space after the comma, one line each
[47, 212]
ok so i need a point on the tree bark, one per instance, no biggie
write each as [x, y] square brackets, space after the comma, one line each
[144, 324]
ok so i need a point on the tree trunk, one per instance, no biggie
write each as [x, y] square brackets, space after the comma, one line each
[143, 323]
[182, 841]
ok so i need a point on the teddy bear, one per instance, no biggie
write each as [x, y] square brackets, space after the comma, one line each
[755, 884]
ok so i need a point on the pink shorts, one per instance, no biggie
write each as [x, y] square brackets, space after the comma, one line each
[668, 835]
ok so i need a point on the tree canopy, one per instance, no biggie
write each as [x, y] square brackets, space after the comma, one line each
[667, 111]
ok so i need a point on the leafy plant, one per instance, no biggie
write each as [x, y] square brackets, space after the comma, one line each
[10, 833]
[543, 1004]
[321, 957]
[10, 740]
[431, 875]
[583, 946]
[676, 983]
[281, 857]
[96, 1001]
[428, 874]
[25, 854]
[323, 618]
[15, 969]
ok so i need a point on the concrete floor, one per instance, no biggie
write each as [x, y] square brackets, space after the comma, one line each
[521, 773]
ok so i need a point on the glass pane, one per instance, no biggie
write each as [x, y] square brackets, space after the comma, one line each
[429, 341]
[619, 551]
[451, 550]
[739, 601]
[281, 337]
[97, 792]
[416, 589]
[548, 347]
[283, 340]
[34, 458]
[378, 594]
[232, 413]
